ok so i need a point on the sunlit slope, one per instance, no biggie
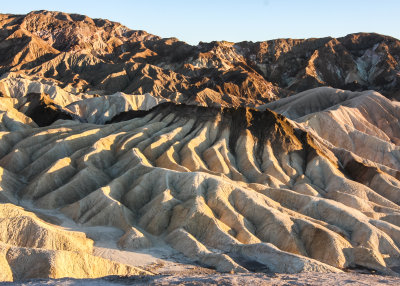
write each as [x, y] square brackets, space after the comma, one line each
[227, 186]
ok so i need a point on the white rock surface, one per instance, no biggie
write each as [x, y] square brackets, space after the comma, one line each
[101, 109]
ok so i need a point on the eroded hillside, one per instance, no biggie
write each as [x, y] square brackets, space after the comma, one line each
[117, 143]
[225, 187]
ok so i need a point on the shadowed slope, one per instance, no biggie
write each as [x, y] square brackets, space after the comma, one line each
[42, 110]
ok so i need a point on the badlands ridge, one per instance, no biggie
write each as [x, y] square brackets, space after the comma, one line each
[118, 140]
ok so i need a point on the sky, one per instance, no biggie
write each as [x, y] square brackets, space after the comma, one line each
[252, 20]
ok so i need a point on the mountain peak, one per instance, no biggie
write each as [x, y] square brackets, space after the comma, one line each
[45, 42]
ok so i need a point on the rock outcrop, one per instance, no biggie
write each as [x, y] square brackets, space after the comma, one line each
[33, 248]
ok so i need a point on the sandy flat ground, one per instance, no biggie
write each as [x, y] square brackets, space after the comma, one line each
[227, 279]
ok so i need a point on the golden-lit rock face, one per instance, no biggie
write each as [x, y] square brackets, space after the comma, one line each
[109, 134]
[33, 248]
[222, 186]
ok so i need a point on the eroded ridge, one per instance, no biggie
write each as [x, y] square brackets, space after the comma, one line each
[225, 187]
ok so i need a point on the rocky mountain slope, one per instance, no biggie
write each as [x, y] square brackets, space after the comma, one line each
[117, 143]
[81, 54]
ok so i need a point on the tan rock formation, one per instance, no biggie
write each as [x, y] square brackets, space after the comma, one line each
[225, 187]
[28, 263]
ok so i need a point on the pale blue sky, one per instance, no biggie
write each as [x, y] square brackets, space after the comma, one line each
[254, 20]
